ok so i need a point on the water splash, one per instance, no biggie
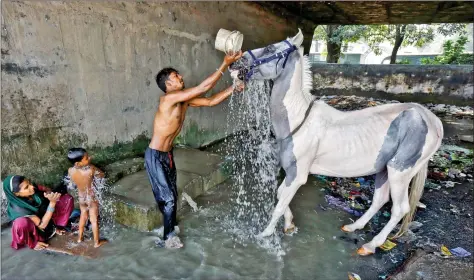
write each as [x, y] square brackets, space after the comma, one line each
[190, 201]
[101, 189]
[253, 159]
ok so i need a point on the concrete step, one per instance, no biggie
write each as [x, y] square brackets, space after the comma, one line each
[135, 206]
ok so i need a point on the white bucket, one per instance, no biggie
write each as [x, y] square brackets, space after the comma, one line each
[229, 41]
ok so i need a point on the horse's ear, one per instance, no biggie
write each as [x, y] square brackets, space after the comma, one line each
[298, 39]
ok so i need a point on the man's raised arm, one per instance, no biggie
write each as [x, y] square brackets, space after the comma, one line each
[216, 98]
[207, 84]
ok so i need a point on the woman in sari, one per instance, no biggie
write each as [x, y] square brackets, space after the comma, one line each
[35, 212]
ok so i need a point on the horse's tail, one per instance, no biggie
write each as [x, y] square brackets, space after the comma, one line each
[417, 187]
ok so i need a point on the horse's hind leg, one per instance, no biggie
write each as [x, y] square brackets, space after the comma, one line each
[399, 182]
[381, 196]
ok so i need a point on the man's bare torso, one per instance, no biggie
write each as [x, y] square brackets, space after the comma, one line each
[167, 125]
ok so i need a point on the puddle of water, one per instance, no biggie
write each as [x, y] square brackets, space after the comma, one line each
[315, 252]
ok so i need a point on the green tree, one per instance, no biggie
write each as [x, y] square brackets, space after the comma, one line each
[337, 38]
[407, 35]
[452, 53]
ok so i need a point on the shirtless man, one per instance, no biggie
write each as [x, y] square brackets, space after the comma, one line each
[168, 122]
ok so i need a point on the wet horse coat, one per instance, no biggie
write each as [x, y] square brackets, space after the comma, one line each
[393, 141]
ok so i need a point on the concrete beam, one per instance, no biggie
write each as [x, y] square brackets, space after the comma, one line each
[379, 12]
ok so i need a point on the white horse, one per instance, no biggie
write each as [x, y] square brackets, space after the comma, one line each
[393, 141]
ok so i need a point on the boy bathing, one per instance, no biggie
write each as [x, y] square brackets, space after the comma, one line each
[86, 176]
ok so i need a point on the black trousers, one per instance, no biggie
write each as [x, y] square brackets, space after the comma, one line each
[161, 172]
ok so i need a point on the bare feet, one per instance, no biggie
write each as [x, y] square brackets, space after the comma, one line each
[161, 229]
[100, 243]
[60, 231]
[79, 240]
[173, 243]
[40, 246]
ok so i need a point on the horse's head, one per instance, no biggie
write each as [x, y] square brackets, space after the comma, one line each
[268, 62]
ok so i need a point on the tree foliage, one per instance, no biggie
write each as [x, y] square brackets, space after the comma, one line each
[337, 38]
[341, 34]
[452, 53]
[403, 35]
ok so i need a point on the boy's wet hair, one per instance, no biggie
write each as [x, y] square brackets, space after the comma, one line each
[76, 154]
[163, 76]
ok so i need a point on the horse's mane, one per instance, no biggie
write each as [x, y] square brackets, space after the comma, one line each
[307, 76]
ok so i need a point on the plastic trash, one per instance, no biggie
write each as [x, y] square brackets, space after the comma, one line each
[353, 276]
[445, 251]
[431, 185]
[449, 184]
[321, 177]
[76, 213]
[387, 245]
[460, 252]
[437, 175]
[421, 205]
[341, 204]
[413, 226]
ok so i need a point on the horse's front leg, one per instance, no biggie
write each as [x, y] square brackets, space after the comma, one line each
[288, 191]
[289, 226]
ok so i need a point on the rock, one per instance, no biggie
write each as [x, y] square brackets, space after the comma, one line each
[428, 266]
[467, 138]
[135, 206]
[421, 205]
[119, 169]
[408, 237]
[413, 226]
[454, 209]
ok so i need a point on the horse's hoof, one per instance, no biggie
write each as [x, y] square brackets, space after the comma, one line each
[364, 252]
[344, 229]
[290, 229]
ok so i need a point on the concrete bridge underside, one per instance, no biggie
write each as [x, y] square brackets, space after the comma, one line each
[375, 12]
